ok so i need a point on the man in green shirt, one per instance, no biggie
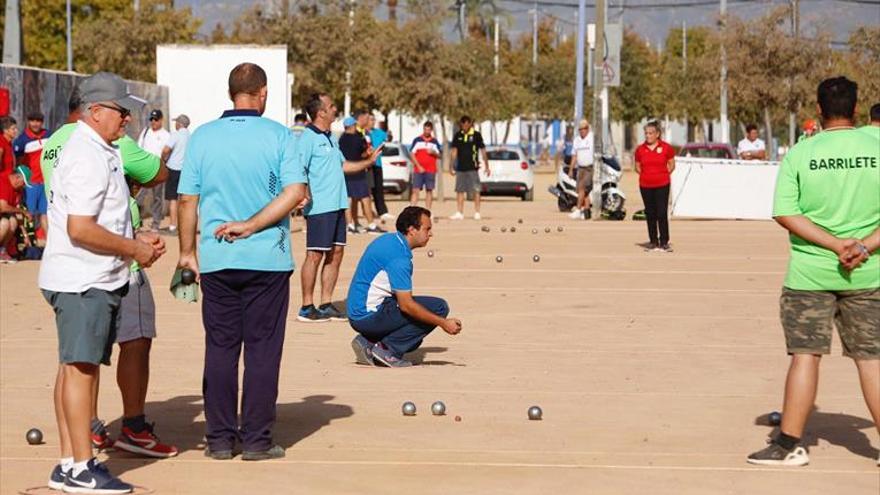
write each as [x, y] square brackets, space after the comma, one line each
[873, 129]
[137, 326]
[827, 198]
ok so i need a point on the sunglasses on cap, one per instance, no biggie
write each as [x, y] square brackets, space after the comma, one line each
[123, 112]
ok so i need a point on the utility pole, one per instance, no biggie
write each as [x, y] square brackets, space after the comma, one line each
[579, 77]
[462, 19]
[12, 33]
[598, 87]
[347, 104]
[795, 31]
[496, 60]
[533, 132]
[684, 69]
[69, 40]
[725, 125]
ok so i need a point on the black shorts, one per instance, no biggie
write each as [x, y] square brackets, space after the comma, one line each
[171, 185]
[325, 230]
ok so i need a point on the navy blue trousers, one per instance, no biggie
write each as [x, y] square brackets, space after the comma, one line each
[242, 307]
[399, 332]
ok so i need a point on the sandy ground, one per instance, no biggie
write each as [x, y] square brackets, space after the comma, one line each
[655, 373]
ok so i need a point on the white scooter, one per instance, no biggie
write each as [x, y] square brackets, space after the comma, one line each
[613, 198]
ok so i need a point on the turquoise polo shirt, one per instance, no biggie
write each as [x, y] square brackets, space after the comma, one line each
[237, 165]
[318, 155]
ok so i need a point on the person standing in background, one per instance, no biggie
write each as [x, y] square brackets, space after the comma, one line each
[378, 135]
[28, 148]
[655, 161]
[173, 155]
[425, 151]
[153, 139]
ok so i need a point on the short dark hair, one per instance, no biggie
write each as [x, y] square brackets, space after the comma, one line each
[428, 123]
[246, 78]
[36, 115]
[655, 125]
[313, 104]
[837, 97]
[411, 216]
[751, 127]
[357, 113]
[875, 112]
[465, 118]
[300, 117]
[75, 101]
[7, 122]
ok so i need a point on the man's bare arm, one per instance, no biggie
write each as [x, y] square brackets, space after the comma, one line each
[412, 308]
[85, 232]
[290, 197]
[804, 228]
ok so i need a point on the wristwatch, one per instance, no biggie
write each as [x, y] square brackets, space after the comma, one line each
[863, 249]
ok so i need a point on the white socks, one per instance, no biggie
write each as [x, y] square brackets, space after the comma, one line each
[66, 463]
[79, 467]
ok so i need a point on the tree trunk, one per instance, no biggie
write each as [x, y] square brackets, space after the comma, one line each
[392, 10]
[770, 151]
[792, 128]
[506, 131]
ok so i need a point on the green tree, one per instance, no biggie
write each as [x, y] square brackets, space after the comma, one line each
[637, 97]
[861, 63]
[687, 88]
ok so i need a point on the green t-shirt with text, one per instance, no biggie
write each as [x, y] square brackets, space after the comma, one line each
[833, 179]
[139, 164]
[871, 130]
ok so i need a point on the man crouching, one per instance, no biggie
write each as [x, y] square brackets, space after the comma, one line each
[391, 321]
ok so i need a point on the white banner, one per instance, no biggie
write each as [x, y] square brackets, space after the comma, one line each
[714, 188]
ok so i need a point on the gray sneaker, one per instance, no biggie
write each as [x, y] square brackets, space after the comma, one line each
[363, 350]
[385, 357]
[777, 455]
[274, 452]
[219, 455]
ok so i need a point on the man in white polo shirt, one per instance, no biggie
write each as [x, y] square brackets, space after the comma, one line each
[85, 271]
[582, 148]
[751, 147]
[153, 139]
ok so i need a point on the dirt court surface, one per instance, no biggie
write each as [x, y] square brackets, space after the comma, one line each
[655, 373]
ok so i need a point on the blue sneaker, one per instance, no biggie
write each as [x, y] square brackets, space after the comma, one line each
[56, 479]
[330, 311]
[95, 479]
[363, 350]
[311, 314]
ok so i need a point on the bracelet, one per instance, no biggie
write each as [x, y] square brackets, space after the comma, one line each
[863, 249]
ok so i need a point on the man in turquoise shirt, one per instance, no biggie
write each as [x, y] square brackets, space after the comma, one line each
[233, 166]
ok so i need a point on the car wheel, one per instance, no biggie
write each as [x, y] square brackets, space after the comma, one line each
[529, 195]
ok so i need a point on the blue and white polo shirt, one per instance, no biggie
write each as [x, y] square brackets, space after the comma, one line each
[385, 267]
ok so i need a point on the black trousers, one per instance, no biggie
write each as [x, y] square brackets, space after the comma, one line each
[378, 192]
[656, 201]
[242, 308]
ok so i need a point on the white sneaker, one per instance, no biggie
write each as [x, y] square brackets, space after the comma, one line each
[387, 216]
[576, 214]
[458, 216]
[477, 216]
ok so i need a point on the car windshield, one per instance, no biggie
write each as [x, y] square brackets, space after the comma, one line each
[502, 155]
[390, 150]
[705, 152]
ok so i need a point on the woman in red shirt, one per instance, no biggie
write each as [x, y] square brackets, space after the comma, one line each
[655, 161]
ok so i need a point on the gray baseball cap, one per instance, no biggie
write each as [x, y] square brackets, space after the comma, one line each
[183, 119]
[106, 86]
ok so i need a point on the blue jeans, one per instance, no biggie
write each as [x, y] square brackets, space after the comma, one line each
[397, 331]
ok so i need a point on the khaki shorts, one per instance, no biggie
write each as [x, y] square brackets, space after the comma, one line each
[808, 316]
[585, 178]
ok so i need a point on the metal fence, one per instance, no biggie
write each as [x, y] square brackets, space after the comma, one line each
[47, 91]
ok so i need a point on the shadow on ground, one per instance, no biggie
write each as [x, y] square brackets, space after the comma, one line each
[839, 429]
[179, 421]
[419, 356]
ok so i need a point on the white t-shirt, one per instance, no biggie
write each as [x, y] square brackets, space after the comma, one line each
[752, 146]
[582, 149]
[89, 181]
[177, 143]
[154, 141]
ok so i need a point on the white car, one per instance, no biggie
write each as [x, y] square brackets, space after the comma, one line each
[395, 169]
[512, 175]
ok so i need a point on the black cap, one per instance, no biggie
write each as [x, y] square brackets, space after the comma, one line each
[36, 116]
[156, 114]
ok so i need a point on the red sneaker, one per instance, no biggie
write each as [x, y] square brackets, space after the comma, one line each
[101, 439]
[144, 443]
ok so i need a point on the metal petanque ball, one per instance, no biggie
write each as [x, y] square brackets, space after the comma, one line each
[485, 228]
[187, 277]
[430, 254]
[408, 409]
[438, 408]
[503, 229]
[534, 231]
[775, 418]
[535, 413]
[519, 221]
[547, 229]
[499, 259]
[34, 436]
[513, 229]
[559, 229]
[536, 258]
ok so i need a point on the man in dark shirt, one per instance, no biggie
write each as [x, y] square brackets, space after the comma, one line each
[355, 148]
[467, 147]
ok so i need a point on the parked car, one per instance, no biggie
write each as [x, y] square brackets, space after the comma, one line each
[395, 169]
[512, 175]
[708, 150]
